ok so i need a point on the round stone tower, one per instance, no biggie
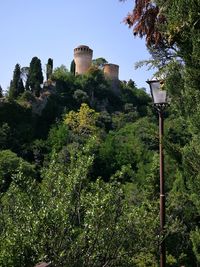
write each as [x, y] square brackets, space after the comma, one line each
[111, 71]
[83, 59]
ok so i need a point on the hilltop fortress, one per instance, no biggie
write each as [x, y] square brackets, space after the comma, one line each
[83, 60]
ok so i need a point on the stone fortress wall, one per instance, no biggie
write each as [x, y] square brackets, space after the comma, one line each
[111, 71]
[83, 60]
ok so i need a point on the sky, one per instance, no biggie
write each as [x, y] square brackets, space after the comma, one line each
[53, 28]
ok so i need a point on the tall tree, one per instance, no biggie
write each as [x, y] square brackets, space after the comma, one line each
[1, 92]
[145, 20]
[73, 67]
[167, 24]
[35, 76]
[16, 85]
[49, 69]
[177, 25]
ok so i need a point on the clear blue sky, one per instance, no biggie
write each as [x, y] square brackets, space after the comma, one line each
[53, 28]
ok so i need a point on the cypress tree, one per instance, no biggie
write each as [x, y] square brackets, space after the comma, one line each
[16, 84]
[1, 92]
[35, 77]
[49, 69]
[73, 67]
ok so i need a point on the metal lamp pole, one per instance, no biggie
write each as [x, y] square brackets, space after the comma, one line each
[160, 102]
[162, 190]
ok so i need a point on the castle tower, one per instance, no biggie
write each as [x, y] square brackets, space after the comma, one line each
[111, 71]
[83, 59]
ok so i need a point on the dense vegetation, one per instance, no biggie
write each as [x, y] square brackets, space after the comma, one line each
[79, 167]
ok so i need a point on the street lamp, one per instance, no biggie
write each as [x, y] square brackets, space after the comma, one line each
[160, 100]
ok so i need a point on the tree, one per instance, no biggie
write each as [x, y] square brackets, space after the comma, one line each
[98, 89]
[146, 19]
[16, 85]
[10, 163]
[49, 69]
[176, 53]
[60, 73]
[165, 25]
[133, 146]
[83, 122]
[80, 96]
[71, 222]
[73, 67]
[1, 92]
[5, 135]
[99, 62]
[35, 76]
[58, 136]
[65, 84]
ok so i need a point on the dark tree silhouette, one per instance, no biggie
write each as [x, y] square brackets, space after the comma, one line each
[49, 69]
[35, 76]
[16, 85]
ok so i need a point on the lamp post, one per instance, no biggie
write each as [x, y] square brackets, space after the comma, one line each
[160, 101]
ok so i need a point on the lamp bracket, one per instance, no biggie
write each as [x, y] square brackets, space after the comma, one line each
[160, 107]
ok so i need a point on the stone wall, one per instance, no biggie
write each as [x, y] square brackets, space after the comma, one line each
[83, 59]
[111, 71]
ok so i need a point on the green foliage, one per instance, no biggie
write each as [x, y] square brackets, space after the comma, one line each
[104, 121]
[27, 96]
[5, 135]
[51, 113]
[16, 85]
[195, 237]
[80, 180]
[137, 97]
[35, 76]
[60, 73]
[100, 94]
[99, 62]
[82, 122]
[49, 70]
[65, 85]
[58, 136]
[20, 123]
[175, 52]
[57, 221]
[9, 165]
[177, 136]
[80, 96]
[73, 67]
[129, 145]
[17, 222]
[1, 92]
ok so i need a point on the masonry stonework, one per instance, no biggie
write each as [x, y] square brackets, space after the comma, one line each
[111, 71]
[83, 59]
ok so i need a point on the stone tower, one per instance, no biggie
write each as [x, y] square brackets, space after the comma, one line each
[83, 59]
[111, 71]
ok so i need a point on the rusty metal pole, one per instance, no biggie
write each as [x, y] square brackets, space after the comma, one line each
[162, 191]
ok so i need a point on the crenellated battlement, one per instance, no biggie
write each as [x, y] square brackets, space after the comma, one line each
[83, 61]
[83, 49]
